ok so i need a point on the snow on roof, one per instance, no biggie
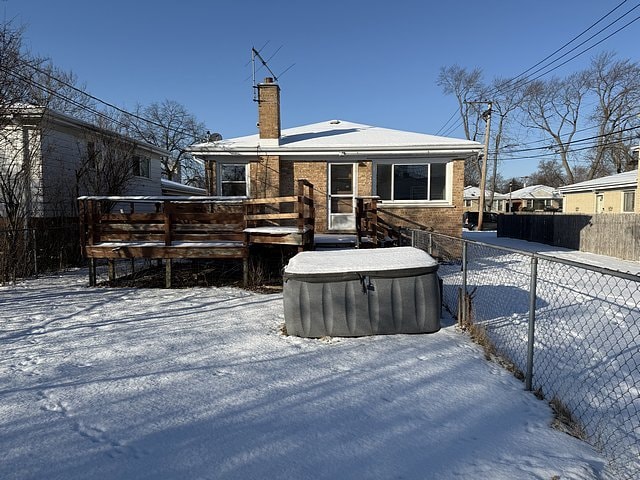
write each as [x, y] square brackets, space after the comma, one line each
[342, 137]
[181, 187]
[30, 110]
[535, 191]
[619, 180]
[471, 192]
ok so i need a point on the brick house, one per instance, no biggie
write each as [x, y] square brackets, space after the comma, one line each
[418, 178]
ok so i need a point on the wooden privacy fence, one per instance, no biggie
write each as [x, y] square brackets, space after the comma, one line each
[614, 235]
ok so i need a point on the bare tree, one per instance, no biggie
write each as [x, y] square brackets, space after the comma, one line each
[106, 166]
[60, 91]
[616, 85]
[554, 107]
[170, 126]
[466, 86]
[506, 100]
[17, 167]
[550, 173]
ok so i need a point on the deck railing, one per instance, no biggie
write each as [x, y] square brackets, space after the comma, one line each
[288, 220]
[192, 227]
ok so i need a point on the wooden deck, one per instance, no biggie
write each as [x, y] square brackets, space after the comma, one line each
[219, 228]
[168, 228]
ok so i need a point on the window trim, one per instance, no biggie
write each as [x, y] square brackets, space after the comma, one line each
[633, 202]
[219, 166]
[138, 170]
[448, 186]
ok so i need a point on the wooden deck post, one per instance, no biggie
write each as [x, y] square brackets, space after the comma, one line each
[167, 273]
[245, 272]
[92, 272]
[112, 270]
[167, 241]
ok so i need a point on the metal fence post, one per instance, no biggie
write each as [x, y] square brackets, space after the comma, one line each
[464, 283]
[532, 323]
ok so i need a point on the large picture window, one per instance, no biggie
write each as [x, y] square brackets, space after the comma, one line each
[398, 182]
[232, 180]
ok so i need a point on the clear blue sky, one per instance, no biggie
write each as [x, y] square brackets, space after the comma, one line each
[367, 61]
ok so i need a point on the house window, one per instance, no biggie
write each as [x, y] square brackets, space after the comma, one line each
[141, 166]
[232, 180]
[400, 182]
[629, 201]
[468, 203]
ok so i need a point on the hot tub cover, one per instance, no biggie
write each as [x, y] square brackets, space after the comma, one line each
[353, 264]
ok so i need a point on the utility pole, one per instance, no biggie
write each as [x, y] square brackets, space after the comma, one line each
[483, 176]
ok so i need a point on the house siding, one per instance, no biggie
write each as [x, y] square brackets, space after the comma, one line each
[61, 157]
[579, 203]
[638, 187]
[64, 149]
[13, 141]
[57, 148]
[586, 202]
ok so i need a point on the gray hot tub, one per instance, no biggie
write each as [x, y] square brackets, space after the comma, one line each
[361, 292]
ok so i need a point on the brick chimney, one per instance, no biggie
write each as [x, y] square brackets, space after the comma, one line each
[269, 113]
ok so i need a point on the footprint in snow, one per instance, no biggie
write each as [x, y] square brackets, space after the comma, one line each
[51, 404]
[117, 448]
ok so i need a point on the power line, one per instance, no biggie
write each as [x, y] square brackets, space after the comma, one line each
[522, 74]
[92, 97]
[582, 52]
[515, 83]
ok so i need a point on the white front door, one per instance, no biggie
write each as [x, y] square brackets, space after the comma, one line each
[342, 186]
[599, 203]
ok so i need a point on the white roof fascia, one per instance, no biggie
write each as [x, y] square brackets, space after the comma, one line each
[611, 182]
[341, 138]
[62, 119]
[344, 153]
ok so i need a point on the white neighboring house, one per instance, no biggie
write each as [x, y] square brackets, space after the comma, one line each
[534, 198]
[472, 200]
[61, 157]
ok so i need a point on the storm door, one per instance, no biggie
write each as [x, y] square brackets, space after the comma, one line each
[342, 186]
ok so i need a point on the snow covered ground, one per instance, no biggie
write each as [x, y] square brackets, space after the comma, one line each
[587, 326]
[200, 384]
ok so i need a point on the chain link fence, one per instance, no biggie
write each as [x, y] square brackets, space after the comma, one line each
[571, 331]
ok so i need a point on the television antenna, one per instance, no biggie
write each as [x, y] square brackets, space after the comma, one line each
[255, 54]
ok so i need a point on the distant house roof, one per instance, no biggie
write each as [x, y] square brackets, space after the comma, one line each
[342, 138]
[535, 192]
[471, 193]
[35, 112]
[619, 180]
